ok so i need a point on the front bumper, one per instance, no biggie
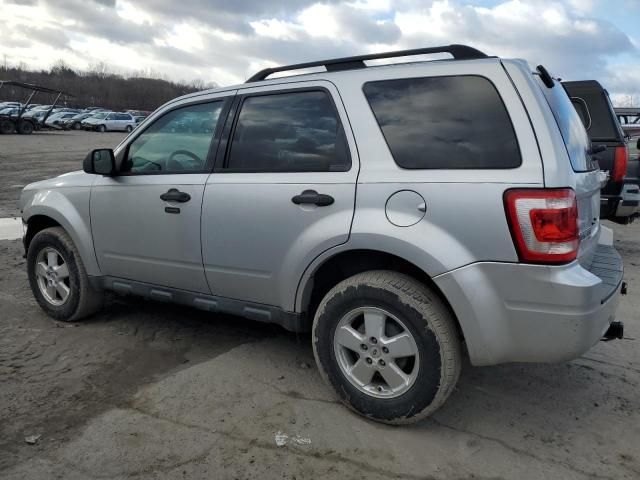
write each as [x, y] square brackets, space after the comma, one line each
[514, 312]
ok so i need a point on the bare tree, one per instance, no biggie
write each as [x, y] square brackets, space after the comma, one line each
[100, 86]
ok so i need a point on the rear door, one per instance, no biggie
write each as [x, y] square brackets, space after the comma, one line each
[284, 194]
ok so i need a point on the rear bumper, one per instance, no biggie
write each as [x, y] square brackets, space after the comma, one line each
[513, 312]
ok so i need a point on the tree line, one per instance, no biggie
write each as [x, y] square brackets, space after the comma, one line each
[96, 87]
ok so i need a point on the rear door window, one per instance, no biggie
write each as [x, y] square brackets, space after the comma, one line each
[288, 132]
[450, 122]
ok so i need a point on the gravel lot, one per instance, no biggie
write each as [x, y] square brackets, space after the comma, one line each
[144, 390]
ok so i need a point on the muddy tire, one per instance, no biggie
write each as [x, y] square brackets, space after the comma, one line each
[388, 346]
[58, 278]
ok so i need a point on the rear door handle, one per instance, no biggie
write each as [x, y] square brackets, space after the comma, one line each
[311, 197]
[175, 195]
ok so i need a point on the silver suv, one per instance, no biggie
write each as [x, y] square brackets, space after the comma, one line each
[402, 213]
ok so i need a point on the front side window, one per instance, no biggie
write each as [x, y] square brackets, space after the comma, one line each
[288, 132]
[177, 142]
[451, 122]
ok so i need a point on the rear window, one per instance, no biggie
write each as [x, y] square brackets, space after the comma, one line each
[450, 122]
[603, 124]
[571, 128]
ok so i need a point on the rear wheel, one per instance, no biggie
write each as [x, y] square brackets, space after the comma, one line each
[7, 126]
[388, 346]
[129, 129]
[77, 126]
[102, 128]
[57, 277]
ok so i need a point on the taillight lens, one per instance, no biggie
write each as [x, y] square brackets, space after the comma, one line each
[620, 159]
[544, 224]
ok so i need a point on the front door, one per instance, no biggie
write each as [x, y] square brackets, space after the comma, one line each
[284, 194]
[146, 221]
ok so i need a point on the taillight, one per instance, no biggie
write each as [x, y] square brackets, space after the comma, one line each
[620, 159]
[544, 224]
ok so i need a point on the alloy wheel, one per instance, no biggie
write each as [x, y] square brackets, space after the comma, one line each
[52, 274]
[376, 352]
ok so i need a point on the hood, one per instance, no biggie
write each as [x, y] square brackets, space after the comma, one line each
[72, 179]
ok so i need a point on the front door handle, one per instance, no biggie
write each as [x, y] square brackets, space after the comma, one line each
[311, 197]
[175, 195]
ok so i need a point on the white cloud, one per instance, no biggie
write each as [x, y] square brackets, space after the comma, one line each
[228, 41]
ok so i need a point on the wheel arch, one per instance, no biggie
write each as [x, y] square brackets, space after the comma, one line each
[66, 216]
[343, 264]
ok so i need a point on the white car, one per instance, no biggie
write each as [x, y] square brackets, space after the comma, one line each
[55, 119]
[112, 121]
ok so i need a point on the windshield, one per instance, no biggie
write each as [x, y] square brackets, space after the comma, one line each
[100, 115]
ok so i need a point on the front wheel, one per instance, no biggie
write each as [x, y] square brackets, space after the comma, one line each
[102, 128]
[57, 277]
[388, 346]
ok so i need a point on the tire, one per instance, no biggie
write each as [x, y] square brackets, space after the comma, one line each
[7, 126]
[408, 307]
[25, 128]
[81, 300]
[77, 126]
[129, 129]
[102, 128]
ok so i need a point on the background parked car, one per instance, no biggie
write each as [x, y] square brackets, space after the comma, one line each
[110, 121]
[74, 123]
[629, 119]
[55, 121]
[629, 207]
[592, 102]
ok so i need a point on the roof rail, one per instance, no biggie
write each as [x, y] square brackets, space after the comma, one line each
[459, 52]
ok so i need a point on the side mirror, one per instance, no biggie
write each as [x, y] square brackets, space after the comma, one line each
[100, 162]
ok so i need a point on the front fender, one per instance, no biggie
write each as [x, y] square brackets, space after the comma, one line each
[70, 208]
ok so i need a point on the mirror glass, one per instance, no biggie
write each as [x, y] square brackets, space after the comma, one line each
[103, 161]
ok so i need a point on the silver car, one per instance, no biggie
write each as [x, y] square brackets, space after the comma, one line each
[404, 214]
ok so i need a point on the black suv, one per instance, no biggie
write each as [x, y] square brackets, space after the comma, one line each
[592, 102]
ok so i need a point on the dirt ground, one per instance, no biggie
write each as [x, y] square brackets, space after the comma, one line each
[146, 390]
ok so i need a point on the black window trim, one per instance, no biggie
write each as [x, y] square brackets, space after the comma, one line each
[213, 145]
[513, 129]
[224, 149]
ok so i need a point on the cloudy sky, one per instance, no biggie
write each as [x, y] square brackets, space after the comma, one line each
[225, 41]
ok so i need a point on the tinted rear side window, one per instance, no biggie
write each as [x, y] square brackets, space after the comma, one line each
[444, 122]
[603, 125]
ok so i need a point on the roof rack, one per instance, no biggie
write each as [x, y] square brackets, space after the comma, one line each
[459, 52]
